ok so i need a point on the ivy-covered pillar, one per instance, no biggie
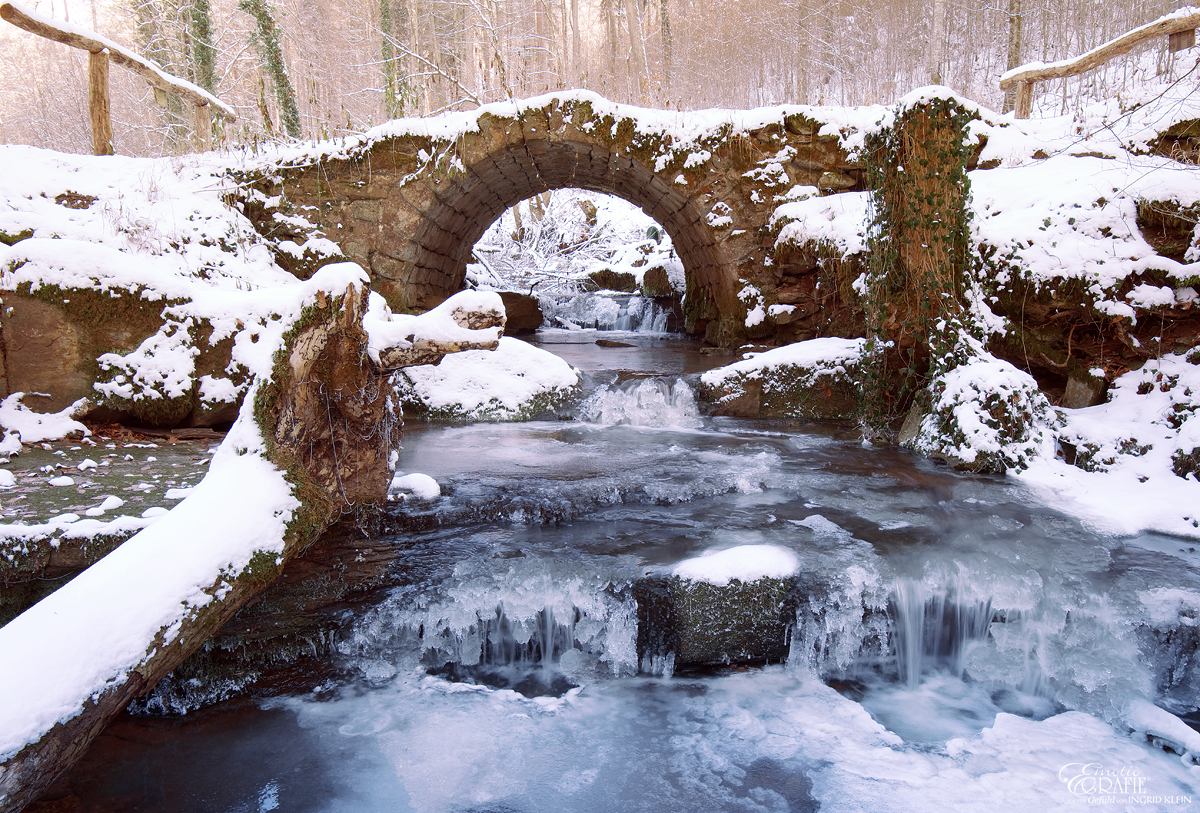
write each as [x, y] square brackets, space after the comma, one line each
[925, 298]
[919, 242]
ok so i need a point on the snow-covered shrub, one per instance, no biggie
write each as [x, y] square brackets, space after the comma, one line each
[514, 382]
[986, 416]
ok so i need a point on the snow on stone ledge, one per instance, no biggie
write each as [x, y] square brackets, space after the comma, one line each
[511, 381]
[837, 220]
[416, 486]
[746, 563]
[822, 354]
[686, 133]
[386, 329]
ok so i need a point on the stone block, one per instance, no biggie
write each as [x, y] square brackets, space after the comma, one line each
[367, 211]
[706, 624]
[523, 311]
[1084, 390]
[655, 282]
[835, 181]
[46, 352]
[387, 267]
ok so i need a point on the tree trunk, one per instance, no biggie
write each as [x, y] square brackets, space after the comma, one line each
[576, 59]
[1015, 18]
[387, 56]
[668, 55]
[610, 22]
[271, 52]
[637, 46]
[937, 41]
[204, 55]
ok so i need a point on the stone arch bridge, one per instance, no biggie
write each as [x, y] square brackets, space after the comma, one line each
[409, 199]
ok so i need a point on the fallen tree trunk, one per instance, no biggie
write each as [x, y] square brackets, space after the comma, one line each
[323, 428]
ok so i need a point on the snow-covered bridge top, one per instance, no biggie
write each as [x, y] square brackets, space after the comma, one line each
[409, 199]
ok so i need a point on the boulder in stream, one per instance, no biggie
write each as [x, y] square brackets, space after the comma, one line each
[730, 606]
[524, 312]
[815, 379]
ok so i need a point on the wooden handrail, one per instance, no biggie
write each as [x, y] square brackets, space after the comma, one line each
[101, 50]
[1024, 77]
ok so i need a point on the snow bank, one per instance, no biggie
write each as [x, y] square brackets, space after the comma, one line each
[1075, 218]
[512, 382]
[156, 231]
[168, 214]
[1137, 457]
[34, 427]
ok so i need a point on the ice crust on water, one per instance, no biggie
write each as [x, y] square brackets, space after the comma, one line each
[756, 742]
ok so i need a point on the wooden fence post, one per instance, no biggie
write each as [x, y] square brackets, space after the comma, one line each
[98, 106]
[1024, 106]
[203, 123]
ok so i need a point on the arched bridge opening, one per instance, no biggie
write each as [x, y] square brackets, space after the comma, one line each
[466, 208]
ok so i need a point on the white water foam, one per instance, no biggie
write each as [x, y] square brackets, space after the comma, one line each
[658, 402]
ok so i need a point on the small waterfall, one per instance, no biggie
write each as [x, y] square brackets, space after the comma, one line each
[640, 314]
[934, 628]
[643, 402]
[504, 623]
[602, 311]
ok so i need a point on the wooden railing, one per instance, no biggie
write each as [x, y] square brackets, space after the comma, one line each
[100, 51]
[1176, 24]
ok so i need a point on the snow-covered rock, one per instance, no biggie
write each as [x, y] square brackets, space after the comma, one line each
[514, 382]
[818, 378]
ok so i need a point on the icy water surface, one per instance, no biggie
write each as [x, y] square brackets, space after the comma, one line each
[954, 645]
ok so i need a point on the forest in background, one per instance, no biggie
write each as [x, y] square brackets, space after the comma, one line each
[323, 68]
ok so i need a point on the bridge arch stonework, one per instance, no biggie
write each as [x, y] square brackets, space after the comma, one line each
[409, 200]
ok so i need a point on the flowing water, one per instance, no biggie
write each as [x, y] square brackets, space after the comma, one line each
[607, 310]
[953, 644]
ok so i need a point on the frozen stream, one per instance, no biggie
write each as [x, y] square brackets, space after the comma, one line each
[955, 645]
